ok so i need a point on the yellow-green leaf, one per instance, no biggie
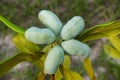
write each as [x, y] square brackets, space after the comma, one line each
[115, 41]
[47, 48]
[41, 76]
[58, 75]
[67, 62]
[70, 75]
[40, 62]
[24, 45]
[100, 31]
[112, 52]
[89, 69]
[7, 64]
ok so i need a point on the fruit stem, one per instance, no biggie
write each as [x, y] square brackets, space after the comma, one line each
[53, 77]
[58, 40]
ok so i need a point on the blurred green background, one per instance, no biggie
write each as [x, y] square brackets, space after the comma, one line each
[25, 14]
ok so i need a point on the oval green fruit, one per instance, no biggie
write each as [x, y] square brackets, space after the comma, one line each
[75, 47]
[72, 28]
[39, 36]
[53, 60]
[50, 20]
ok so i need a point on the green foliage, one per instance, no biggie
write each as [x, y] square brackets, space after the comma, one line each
[7, 64]
[114, 50]
[25, 46]
[11, 25]
[100, 31]
[115, 41]
[111, 51]
[67, 61]
[68, 75]
[41, 76]
[88, 67]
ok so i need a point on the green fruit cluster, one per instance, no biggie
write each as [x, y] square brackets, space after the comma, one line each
[66, 33]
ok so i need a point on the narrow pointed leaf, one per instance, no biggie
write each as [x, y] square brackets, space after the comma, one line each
[100, 31]
[115, 41]
[89, 69]
[12, 26]
[70, 75]
[112, 52]
[58, 75]
[24, 45]
[67, 62]
[7, 64]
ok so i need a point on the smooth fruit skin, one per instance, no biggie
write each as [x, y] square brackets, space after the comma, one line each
[72, 28]
[53, 60]
[40, 36]
[75, 47]
[50, 20]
